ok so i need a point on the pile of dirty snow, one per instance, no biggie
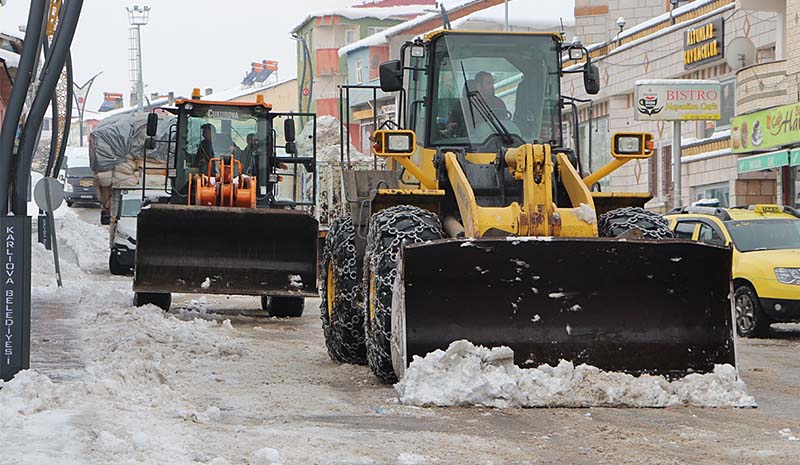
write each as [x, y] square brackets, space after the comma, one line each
[467, 375]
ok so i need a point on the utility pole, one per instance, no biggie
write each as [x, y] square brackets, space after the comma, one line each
[138, 16]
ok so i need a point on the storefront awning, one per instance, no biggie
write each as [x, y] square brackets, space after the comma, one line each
[794, 158]
[763, 161]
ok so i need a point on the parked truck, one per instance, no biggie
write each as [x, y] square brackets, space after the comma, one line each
[125, 206]
[117, 157]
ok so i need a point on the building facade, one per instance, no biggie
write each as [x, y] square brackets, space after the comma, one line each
[659, 41]
[319, 37]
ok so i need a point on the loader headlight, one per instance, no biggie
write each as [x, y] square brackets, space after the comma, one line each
[788, 275]
[399, 142]
[629, 145]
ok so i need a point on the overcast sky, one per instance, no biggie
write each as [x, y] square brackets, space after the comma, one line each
[187, 43]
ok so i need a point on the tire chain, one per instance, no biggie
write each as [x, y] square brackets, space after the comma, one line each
[616, 222]
[389, 229]
[344, 336]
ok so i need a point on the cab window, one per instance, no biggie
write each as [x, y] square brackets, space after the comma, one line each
[685, 230]
[710, 235]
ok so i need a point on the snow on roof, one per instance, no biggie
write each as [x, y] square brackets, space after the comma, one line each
[129, 109]
[11, 58]
[238, 92]
[546, 16]
[395, 12]
[382, 37]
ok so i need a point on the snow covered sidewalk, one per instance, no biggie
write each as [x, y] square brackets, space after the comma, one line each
[468, 375]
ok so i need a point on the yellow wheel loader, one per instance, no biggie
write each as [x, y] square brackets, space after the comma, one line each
[484, 227]
[228, 225]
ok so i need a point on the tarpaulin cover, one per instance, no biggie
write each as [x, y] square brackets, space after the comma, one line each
[121, 137]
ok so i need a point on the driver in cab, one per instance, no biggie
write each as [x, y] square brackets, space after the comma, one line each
[485, 86]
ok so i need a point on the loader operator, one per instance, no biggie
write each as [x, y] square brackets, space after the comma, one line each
[205, 151]
[485, 85]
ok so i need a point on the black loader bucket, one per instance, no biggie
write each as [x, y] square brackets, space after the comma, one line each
[634, 306]
[222, 250]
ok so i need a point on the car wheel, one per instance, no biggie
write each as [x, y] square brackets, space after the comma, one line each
[750, 319]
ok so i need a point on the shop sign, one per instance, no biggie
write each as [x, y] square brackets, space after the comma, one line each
[794, 158]
[763, 161]
[704, 44]
[766, 129]
[677, 100]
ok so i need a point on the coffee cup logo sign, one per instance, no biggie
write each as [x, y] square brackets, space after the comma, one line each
[677, 100]
[648, 105]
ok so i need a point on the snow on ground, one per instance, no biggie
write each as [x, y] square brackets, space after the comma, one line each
[466, 374]
[129, 357]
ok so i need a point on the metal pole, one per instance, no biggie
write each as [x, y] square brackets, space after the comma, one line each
[507, 28]
[139, 78]
[677, 197]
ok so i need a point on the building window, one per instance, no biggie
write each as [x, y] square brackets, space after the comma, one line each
[374, 30]
[350, 36]
[727, 112]
[359, 71]
[46, 124]
[710, 192]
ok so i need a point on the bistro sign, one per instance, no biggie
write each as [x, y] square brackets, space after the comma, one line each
[766, 129]
[704, 43]
[677, 100]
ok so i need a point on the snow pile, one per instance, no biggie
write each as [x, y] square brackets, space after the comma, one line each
[86, 243]
[131, 363]
[266, 456]
[330, 202]
[586, 213]
[466, 374]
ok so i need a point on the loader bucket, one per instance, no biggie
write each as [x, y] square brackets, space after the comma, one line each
[635, 306]
[223, 250]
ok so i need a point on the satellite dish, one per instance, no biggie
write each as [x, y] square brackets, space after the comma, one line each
[740, 53]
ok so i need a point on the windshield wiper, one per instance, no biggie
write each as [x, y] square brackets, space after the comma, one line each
[475, 98]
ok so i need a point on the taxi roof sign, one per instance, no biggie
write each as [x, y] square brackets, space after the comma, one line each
[767, 209]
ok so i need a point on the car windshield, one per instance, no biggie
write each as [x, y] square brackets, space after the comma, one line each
[750, 235]
[482, 79]
[130, 207]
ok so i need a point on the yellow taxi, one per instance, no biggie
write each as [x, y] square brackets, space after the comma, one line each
[766, 258]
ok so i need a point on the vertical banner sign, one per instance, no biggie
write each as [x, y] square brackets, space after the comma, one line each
[43, 231]
[15, 330]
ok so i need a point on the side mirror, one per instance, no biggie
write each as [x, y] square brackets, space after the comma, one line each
[288, 130]
[152, 124]
[391, 75]
[149, 143]
[591, 79]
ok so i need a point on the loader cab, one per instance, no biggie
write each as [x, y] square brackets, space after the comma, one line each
[449, 103]
[207, 130]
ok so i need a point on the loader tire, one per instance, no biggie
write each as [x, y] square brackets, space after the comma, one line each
[283, 306]
[341, 309]
[750, 318]
[163, 301]
[388, 230]
[622, 220]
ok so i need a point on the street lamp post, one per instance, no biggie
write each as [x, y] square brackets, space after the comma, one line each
[138, 17]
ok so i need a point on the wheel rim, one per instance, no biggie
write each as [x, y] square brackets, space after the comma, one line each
[745, 313]
[331, 289]
[371, 296]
